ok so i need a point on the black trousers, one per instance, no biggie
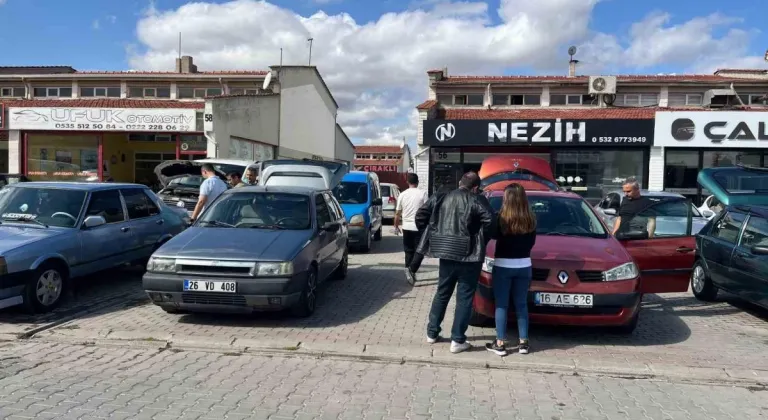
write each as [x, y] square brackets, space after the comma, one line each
[411, 240]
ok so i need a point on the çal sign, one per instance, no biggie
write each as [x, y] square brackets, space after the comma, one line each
[102, 119]
[708, 129]
[558, 131]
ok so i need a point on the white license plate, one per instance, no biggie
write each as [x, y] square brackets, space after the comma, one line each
[563, 299]
[210, 286]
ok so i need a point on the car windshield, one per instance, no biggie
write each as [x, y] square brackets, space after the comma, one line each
[351, 192]
[259, 210]
[42, 206]
[742, 181]
[561, 216]
[385, 191]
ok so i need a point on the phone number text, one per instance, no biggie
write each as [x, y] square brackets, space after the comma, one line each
[124, 127]
[619, 139]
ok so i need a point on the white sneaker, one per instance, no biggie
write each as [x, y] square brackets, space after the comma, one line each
[460, 347]
[433, 340]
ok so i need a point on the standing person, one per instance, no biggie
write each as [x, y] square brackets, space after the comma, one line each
[250, 176]
[457, 233]
[210, 189]
[515, 235]
[632, 205]
[233, 178]
[409, 202]
[422, 221]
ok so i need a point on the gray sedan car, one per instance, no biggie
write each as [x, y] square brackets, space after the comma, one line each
[257, 248]
[51, 232]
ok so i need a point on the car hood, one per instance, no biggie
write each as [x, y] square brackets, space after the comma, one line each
[236, 244]
[15, 236]
[354, 209]
[574, 253]
[172, 169]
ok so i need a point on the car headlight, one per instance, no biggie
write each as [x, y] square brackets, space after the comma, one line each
[488, 265]
[626, 271]
[357, 220]
[161, 265]
[274, 269]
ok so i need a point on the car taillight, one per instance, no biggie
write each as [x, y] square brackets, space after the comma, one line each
[391, 199]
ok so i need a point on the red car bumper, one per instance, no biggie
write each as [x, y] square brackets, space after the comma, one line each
[614, 304]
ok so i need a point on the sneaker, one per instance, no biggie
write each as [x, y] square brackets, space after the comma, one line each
[495, 348]
[460, 347]
[523, 348]
[431, 340]
[410, 277]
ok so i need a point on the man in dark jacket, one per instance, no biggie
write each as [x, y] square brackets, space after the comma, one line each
[457, 233]
[422, 221]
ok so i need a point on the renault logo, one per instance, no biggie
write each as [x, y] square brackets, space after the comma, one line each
[445, 132]
[563, 277]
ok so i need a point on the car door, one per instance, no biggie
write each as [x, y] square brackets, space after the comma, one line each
[665, 260]
[105, 246]
[749, 263]
[145, 221]
[339, 241]
[718, 245]
[376, 208]
[325, 238]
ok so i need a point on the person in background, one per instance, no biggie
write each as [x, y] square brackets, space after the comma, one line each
[632, 205]
[250, 176]
[234, 180]
[515, 235]
[422, 221]
[409, 202]
[457, 234]
[210, 190]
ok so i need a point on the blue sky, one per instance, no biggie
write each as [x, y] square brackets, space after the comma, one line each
[626, 36]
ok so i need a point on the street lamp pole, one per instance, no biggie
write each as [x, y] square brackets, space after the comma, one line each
[310, 50]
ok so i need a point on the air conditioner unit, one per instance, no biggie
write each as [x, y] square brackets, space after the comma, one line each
[599, 85]
[720, 98]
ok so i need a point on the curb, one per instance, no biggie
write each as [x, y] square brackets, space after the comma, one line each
[754, 379]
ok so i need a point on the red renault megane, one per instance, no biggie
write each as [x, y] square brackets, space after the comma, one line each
[582, 275]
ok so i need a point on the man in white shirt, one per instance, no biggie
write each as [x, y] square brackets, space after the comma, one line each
[210, 189]
[409, 202]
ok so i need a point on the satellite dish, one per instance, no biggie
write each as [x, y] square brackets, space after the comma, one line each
[267, 81]
[572, 50]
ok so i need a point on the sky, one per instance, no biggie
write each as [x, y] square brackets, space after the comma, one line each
[374, 54]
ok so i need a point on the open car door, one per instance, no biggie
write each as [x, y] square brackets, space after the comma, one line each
[318, 174]
[532, 173]
[660, 241]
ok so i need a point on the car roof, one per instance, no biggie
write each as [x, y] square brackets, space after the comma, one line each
[541, 193]
[81, 186]
[356, 176]
[275, 189]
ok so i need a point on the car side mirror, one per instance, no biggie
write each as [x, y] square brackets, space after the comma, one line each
[759, 250]
[632, 236]
[610, 212]
[376, 202]
[331, 226]
[94, 221]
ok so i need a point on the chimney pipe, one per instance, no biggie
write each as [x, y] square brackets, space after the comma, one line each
[572, 68]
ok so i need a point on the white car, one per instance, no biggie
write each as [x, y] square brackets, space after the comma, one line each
[711, 207]
[389, 195]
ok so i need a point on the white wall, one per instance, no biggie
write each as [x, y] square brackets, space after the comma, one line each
[421, 167]
[343, 149]
[248, 117]
[656, 169]
[14, 151]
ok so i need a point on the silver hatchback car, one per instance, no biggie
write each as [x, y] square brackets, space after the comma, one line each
[51, 232]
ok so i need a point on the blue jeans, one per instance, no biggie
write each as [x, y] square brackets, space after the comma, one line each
[514, 282]
[463, 277]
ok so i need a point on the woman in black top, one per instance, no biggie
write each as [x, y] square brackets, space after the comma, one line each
[515, 235]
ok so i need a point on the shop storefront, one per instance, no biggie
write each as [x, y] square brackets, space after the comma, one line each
[120, 144]
[691, 141]
[588, 157]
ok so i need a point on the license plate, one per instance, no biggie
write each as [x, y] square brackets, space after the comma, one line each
[210, 286]
[563, 299]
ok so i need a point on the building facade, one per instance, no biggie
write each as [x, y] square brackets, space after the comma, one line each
[57, 123]
[594, 133]
[383, 158]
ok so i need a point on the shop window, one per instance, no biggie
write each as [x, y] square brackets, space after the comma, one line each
[100, 92]
[685, 99]
[151, 137]
[500, 100]
[62, 158]
[53, 92]
[525, 99]
[681, 167]
[593, 174]
[144, 167]
[12, 92]
[193, 143]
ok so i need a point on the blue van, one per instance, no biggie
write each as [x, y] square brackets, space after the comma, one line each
[360, 197]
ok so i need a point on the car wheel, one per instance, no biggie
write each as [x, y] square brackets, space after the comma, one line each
[366, 247]
[377, 235]
[44, 290]
[701, 284]
[343, 268]
[477, 319]
[308, 300]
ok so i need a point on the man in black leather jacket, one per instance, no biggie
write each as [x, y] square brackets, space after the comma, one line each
[458, 226]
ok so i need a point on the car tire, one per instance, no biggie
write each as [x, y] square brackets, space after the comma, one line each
[477, 319]
[308, 300]
[343, 268]
[52, 277]
[377, 235]
[701, 284]
[366, 247]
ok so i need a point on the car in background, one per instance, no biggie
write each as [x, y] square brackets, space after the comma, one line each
[732, 250]
[389, 195]
[257, 248]
[181, 179]
[52, 232]
[10, 179]
[711, 207]
[359, 194]
[608, 209]
[582, 275]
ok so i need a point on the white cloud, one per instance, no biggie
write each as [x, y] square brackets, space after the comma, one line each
[96, 24]
[376, 69]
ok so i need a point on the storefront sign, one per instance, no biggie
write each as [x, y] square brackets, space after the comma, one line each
[376, 168]
[732, 129]
[102, 119]
[560, 132]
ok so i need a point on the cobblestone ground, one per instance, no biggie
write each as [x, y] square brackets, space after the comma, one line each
[59, 381]
[375, 306]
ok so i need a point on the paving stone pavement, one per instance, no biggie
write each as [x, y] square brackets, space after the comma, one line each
[375, 306]
[62, 381]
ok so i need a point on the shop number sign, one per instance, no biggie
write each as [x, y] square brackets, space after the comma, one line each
[102, 119]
